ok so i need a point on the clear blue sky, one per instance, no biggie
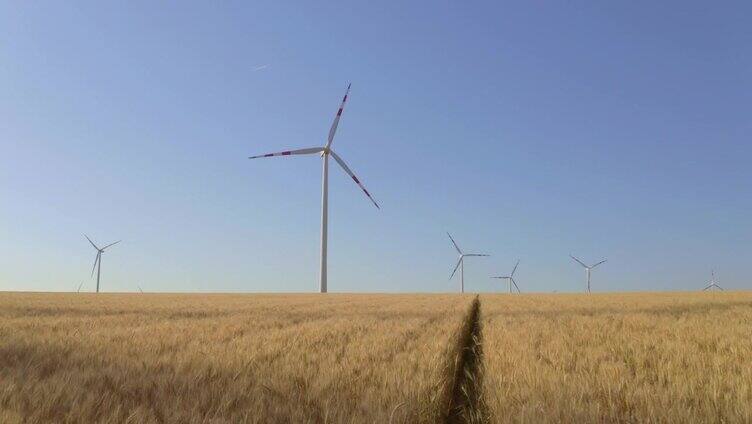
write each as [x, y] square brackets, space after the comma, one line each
[527, 129]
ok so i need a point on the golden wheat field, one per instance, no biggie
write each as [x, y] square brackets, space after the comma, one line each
[224, 358]
[658, 357]
[650, 357]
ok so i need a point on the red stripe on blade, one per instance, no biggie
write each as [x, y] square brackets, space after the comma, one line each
[285, 153]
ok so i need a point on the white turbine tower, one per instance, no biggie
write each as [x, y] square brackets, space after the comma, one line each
[461, 263]
[510, 278]
[325, 152]
[713, 283]
[588, 269]
[98, 259]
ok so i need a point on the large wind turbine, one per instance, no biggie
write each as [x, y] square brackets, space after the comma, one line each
[510, 278]
[461, 263]
[588, 269]
[325, 152]
[713, 283]
[98, 259]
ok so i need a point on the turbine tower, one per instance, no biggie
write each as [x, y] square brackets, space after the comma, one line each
[510, 278]
[588, 269]
[325, 152]
[98, 259]
[461, 263]
[713, 283]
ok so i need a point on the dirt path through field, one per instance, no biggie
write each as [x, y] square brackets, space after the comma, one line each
[464, 400]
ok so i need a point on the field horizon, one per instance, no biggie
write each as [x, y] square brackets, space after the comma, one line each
[377, 293]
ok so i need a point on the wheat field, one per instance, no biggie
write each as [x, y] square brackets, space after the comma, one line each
[224, 358]
[649, 357]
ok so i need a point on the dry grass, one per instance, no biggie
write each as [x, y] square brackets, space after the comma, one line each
[224, 358]
[619, 358]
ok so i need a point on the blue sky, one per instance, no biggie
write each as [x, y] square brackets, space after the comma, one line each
[527, 129]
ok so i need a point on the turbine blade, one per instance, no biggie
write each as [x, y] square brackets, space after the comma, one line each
[598, 263]
[350, 173]
[95, 263]
[308, 151]
[476, 254]
[515, 268]
[455, 268]
[335, 124]
[515, 284]
[92, 243]
[578, 261]
[111, 244]
[454, 243]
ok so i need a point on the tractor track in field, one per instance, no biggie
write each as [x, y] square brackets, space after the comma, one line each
[463, 400]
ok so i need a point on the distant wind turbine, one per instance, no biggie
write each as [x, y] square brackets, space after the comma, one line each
[139, 289]
[79, 287]
[98, 259]
[713, 283]
[588, 269]
[461, 263]
[510, 278]
[325, 152]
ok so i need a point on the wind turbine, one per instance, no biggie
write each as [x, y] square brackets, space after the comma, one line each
[461, 263]
[79, 287]
[325, 152]
[510, 278]
[98, 259]
[713, 283]
[139, 289]
[588, 269]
